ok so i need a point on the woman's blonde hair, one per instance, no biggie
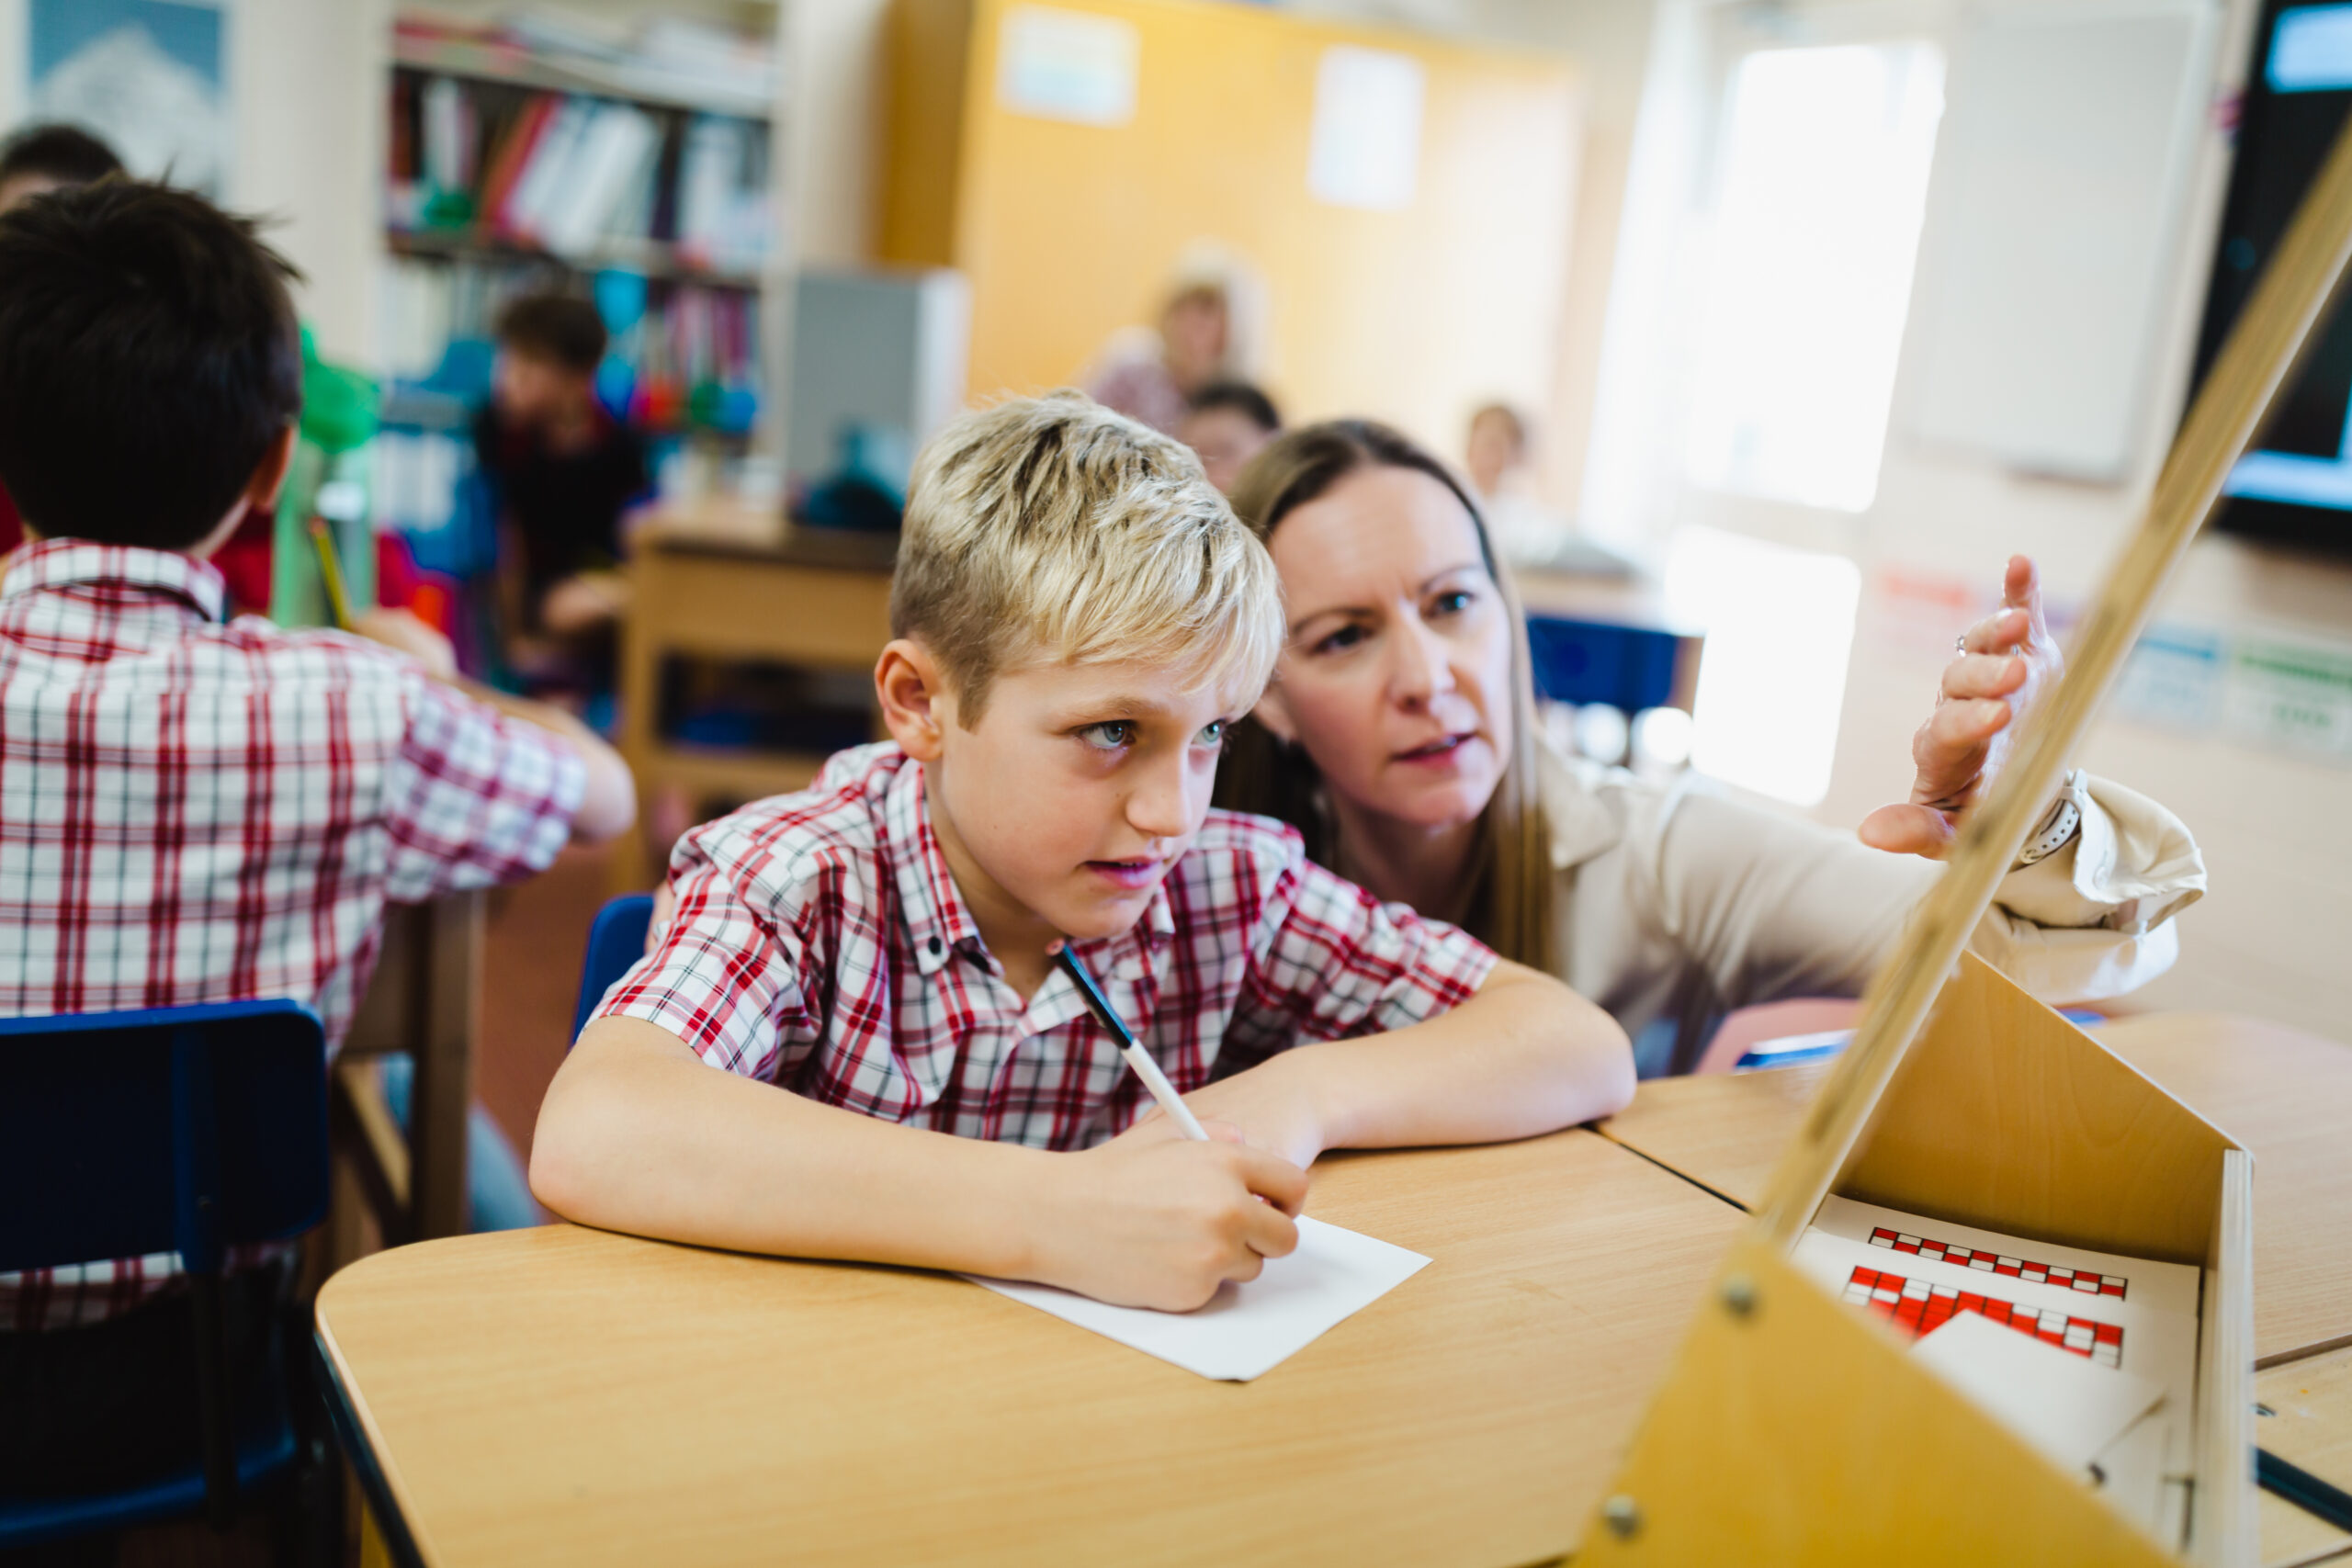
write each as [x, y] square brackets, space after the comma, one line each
[1509, 905]
[1053, 525]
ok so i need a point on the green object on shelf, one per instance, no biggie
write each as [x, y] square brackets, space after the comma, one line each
[338, 419]
[338, 405]
[450, 209]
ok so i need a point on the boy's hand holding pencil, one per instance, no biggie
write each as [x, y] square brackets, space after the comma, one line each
[1155, 1219]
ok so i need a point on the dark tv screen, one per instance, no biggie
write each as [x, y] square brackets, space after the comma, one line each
[2296, 486]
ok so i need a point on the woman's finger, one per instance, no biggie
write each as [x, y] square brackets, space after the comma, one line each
[1999, 632]
[1909, 830]
[1982, 675]
[1959, 726]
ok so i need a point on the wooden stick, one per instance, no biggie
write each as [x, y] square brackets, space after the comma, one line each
[2263, 348]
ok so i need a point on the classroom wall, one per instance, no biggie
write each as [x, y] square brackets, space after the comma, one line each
[837, 103]
[1610, 41]
[1068, 232]
[843, 100]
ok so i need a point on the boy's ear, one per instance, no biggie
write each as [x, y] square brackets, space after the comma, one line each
[269, 474]
[917, 707]
[1274, 714]
[260, 493]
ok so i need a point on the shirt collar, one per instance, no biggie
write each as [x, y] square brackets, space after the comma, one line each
[930, 904]
[126, 569]
[937, 920]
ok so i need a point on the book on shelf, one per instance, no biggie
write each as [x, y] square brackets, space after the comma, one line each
[664, 58]
[688, 359]
[593, 180]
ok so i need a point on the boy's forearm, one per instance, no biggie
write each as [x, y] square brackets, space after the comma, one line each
[1524, 1055]
[637, 1134]
[608, 796]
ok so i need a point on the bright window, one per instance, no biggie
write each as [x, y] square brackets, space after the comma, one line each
[1779, 622]
[1821, 182]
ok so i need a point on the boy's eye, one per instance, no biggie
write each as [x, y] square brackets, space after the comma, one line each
[1212, 733]
[1108, 736]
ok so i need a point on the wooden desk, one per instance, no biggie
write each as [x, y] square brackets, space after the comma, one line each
[425, 999]
[2307, 1422]
[566, 1396]
[2287, 1096]
[724, 580]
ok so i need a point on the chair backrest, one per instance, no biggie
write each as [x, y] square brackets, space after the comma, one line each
[172, 1129]
[615, 941]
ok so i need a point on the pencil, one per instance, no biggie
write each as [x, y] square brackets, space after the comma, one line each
[1145, 1068]
[2303, 1489]
[331, 573]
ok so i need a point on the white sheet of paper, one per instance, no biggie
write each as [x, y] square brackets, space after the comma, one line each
[2131, 1470]
[2064, 1405]
[1246, 1330]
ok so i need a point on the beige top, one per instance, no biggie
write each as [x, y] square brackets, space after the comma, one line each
[1678, 904]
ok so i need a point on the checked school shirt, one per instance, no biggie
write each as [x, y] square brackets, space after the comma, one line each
[821, 943]
[193, 811]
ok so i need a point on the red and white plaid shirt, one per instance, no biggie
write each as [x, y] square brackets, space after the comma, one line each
[819, 943]
[198, 812]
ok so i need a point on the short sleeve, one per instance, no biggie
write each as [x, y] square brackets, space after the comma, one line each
[473, 798]
[1332, 962]
[722, 976]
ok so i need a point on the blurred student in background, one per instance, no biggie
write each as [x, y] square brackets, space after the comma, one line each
[42, 158]
[1228, 423]
[1499, 456]
[563, 472]
[1208, 332]
[36, 160]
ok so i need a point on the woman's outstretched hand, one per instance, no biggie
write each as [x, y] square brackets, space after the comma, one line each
[2005, 664]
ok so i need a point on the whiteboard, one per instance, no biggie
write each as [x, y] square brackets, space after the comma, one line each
[2054, 223]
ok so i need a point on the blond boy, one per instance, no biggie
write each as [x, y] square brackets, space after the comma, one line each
[904, 1077]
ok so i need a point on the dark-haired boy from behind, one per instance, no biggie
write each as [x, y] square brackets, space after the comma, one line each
[195, 808]
[564, 473]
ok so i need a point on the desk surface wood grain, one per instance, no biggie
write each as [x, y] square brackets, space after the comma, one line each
[563, 1395]
[2308, 1423]
[2285, 1094]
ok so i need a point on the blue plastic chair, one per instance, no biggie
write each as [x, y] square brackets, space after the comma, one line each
[177, 1129]
[615, 941]
[1578, 662]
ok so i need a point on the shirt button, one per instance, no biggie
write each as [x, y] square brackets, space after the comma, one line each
[934, 947]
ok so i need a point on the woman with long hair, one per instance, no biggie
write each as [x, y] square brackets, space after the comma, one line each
[1399, 737]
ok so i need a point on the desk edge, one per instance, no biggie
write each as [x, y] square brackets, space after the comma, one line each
[351, 1433]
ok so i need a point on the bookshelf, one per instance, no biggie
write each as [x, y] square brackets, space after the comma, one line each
[488, 60]
[518, 162]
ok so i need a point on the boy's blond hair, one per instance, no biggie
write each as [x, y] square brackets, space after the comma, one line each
[1053, 525]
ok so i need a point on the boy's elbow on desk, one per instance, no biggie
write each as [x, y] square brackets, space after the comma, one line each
[587, 1125]
[1594, 1057]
